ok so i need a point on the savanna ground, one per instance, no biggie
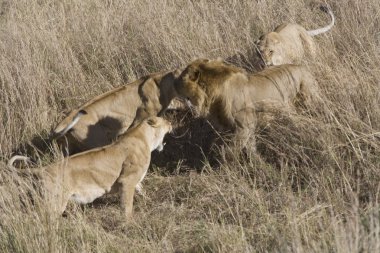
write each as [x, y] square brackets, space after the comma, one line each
[313, 187]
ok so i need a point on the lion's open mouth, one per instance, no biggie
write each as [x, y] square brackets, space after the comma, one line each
[196, 107]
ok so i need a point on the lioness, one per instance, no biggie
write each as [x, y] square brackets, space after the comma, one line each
[230, 97]
[97, 122]
[122, 166]
[287, 43]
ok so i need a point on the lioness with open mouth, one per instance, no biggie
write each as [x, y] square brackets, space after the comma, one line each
[121, 166]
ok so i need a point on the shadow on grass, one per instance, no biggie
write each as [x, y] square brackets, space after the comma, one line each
[190, 145]
[100, 134]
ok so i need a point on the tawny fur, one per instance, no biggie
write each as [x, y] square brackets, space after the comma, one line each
[120, 166]
[97, 122]
[289, 43]
[230, 98]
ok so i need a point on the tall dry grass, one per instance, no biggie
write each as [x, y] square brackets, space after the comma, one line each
[314, 187]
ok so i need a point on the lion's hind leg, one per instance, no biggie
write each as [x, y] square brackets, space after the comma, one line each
[310, 97]
[309, 89]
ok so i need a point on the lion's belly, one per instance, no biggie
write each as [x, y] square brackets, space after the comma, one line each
[88, 194]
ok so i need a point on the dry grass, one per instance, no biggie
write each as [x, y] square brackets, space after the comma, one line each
[313, 188]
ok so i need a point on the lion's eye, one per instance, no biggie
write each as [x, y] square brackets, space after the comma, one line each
[270, 51]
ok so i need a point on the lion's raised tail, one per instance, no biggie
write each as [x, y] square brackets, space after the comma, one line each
[15, 158]
[68, 123]
[327, 9]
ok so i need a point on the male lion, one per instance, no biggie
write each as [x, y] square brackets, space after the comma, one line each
[230, 97]
[97, 122]
[287, 43]
[121, 166]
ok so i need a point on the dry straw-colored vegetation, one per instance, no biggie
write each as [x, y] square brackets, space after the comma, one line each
[314, 187]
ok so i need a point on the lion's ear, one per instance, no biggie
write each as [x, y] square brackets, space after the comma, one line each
[273, 37]
[194, 75]
[152, 121]
[177, 73]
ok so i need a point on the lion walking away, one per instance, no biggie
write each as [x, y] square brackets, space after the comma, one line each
[288, 43]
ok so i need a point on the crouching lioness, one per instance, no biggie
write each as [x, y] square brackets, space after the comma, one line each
[230, 97]
[99, 121]
[86, 176]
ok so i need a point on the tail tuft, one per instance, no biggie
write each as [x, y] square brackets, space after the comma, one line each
[325, 8]
[82, 112]
[67, 124]
[15, 158]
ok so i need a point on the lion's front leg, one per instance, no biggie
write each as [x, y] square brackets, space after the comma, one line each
[246, 121]
[141, 114]
[310, 95]
[129, 179]
[126, 196]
